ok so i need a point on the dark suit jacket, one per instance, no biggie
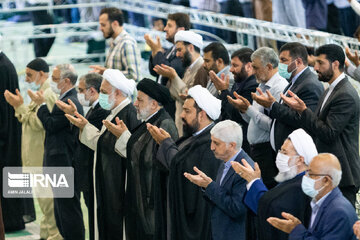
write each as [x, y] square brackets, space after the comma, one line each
[61, 138]
[334, 220]
[172, 61]
[228, 214]
[335, 129]
[85, 156]
[308, 88]
[228, 111]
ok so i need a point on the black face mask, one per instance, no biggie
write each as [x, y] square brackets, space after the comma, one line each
[186, 61]
[241, 76]
[326, 76]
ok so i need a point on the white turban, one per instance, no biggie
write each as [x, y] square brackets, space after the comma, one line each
[118, 80]
[206, 101]
[190, 37]
[303, 144]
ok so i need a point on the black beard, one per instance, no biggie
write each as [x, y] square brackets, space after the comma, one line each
[241, 76]
[326, 76]
[111, 33]
[190, 129]
[186, 61]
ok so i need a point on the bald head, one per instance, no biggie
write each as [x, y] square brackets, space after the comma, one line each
[327, 163]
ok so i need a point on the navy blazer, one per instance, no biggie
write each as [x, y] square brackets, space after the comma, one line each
[61, 138]
[334, 220]
[228, 215]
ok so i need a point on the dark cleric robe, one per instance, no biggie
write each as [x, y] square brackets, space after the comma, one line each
[107, 197]
[147, 182]
[285, 197]
[190, 212]
[85, 158]
[10, 144]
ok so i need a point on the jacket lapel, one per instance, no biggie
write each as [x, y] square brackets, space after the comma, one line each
[231, 170]
[328, 101]
[323, 207]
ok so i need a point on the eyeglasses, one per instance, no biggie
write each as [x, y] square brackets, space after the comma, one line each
[316, 174]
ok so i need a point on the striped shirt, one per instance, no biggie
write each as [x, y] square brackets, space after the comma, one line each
[125, 56]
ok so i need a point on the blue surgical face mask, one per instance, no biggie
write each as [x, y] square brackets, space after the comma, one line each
[33, 86]
[308, 186]
[283, 70]
[54, 87]
[105, 102]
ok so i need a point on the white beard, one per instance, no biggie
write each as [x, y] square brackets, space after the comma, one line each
[284, 176]
[143, 114]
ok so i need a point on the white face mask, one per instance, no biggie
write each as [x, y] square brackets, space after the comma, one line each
[308, 186]
[54, 87]
[82, 100]
[282, 162]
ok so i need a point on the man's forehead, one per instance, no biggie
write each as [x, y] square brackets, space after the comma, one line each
[189, 103]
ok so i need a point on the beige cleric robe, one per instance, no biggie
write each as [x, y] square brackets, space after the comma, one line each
[89, 136]
[178, 86]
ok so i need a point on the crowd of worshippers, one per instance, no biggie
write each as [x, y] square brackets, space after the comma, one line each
[258, 145]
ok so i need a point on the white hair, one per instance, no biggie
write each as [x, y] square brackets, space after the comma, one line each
[334, 173]
[228, 131]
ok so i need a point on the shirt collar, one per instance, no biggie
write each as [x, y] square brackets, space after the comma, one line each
[297, 75]
[119, 37]
[94, 103]
[193, 64]
[228, 163]
[200, 131]
[337, 80]
[318, 203]
[272, 80]
[223, 70]
[148, 118]
[63, 95]
[117, 109]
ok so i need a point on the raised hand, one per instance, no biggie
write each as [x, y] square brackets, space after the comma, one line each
[246, 171]
[67, 108]
[158, 134]
[15, 100]
[285, 225]
[37, 97]
[97, 69]
[352, 57]
[264, 100]
[240, 103]
[201, 179]
[154, 45]
[117, 129]
[78, 120]
[222, 83]
[294, 102]
[165, 71]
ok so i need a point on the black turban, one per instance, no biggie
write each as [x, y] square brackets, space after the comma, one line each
[159, 93]
[38, 64]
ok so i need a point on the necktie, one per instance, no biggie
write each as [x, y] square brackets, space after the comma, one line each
[89, 113]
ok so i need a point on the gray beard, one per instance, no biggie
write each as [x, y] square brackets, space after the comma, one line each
[282, 177]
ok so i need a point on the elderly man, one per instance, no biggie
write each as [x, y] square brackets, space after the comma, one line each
[228, 215]
[190, 213]
[335, 122]
[88, 95]
[146, 180]
[217, 62]
[265, 66]
[332, 215]
[109, 167]
[294, 67]
[124, 53]
[33, 135]
[60, 145]
[188, 46]
[176, 22]
[293, 159]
